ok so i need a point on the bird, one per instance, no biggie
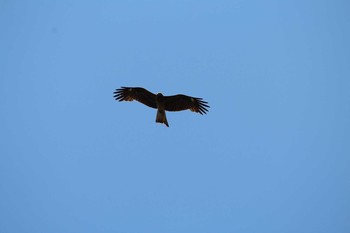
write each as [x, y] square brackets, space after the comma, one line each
[161, 102]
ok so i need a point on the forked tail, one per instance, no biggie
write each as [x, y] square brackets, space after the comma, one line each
[161, 117]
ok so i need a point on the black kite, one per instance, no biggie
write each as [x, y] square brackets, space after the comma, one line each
[160, 102]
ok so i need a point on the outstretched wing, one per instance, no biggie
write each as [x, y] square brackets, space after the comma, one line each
[184, 102]
[136, 93]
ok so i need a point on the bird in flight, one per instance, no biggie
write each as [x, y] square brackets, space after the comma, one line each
[160, 102]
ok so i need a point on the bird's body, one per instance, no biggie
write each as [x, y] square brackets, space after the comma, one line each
[160, 102]
[161, 116]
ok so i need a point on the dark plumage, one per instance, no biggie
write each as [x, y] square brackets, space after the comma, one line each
[162, 103]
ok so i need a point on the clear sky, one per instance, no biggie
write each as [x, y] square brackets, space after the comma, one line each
[272, 155]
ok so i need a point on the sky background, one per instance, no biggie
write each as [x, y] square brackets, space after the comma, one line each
[272, 155]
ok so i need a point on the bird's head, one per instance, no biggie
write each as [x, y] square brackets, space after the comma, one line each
[159, 97]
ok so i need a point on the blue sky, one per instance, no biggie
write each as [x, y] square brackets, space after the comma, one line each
[272, 155]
